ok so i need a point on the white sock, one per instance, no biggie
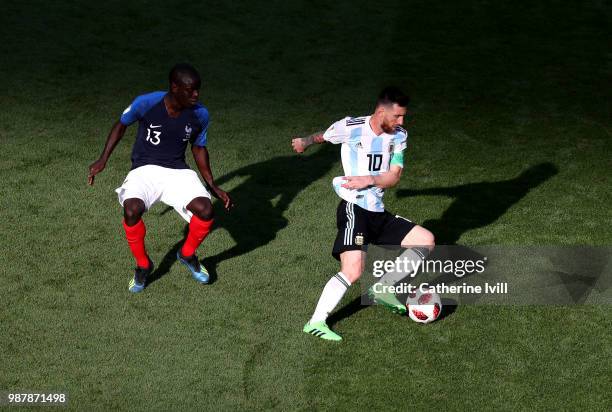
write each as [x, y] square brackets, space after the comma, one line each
[410, 259]
[332, 293]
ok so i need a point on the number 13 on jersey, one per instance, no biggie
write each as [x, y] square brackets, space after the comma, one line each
[154, 140]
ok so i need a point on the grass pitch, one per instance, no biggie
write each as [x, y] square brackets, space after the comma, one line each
[498, 90]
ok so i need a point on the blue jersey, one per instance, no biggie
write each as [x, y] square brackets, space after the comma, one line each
[161, 139]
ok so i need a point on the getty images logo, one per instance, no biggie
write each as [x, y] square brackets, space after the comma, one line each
[406, 265]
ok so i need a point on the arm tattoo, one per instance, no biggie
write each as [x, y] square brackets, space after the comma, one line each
[312, 139]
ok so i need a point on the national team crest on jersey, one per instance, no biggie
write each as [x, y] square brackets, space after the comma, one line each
[359, 239]
[188, 131]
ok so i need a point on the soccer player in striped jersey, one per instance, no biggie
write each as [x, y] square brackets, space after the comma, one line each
[372, 157]
[167, 122]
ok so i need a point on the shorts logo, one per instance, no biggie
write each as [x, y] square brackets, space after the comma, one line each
[359, 240]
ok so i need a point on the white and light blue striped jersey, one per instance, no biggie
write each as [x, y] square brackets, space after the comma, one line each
[364, 153]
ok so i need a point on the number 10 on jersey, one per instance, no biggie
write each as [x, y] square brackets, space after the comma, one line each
[374, 162]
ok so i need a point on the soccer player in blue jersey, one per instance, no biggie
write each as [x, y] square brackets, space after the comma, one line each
[167, 123]
[372, 151]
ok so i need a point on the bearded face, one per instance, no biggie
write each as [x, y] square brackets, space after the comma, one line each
[392, 115]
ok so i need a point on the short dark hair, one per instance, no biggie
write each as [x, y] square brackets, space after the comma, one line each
[390, 95]
[182, 70]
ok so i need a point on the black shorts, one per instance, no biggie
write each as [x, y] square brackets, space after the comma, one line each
[358, 227]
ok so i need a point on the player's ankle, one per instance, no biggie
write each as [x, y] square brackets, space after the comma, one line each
[183, 256]
[148, 265]
[317, 320]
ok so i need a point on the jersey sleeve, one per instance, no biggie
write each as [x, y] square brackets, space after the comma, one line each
[139, 107]
[399, 145]
[400, 140]
[203, 117]
[337, 132]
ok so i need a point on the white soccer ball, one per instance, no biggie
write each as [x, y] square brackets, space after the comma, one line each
[423, 307]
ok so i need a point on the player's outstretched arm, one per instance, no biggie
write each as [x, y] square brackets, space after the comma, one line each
[300, 144]
[116, 133]
[200, 154]
[384, 180]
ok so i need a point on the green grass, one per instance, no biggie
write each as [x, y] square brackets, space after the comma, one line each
[497, 89]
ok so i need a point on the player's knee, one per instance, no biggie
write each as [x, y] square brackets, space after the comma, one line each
[206, 214]
[428, 239]
[419, 236]
[133, 210]
[202, 208]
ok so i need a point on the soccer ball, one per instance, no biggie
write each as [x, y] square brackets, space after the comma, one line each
[423, 307]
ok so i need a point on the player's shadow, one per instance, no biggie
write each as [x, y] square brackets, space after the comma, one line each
[476, 205]
[264, 194]
[170, 259]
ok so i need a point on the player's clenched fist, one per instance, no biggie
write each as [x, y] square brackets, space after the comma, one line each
[298, 145]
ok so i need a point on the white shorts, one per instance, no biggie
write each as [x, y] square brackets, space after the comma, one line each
[174, 187]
